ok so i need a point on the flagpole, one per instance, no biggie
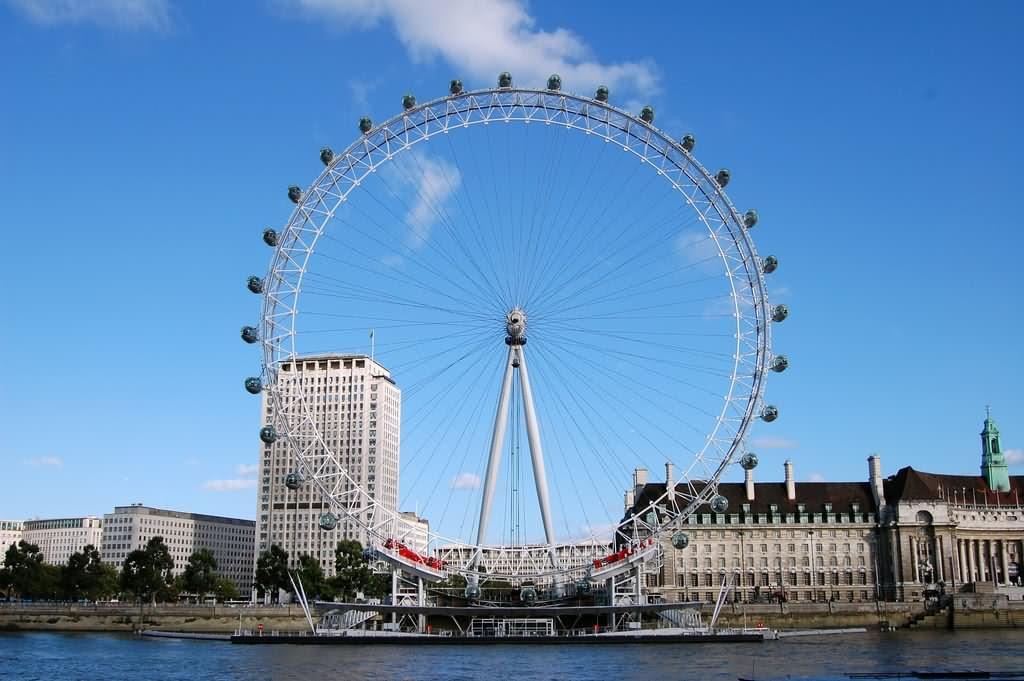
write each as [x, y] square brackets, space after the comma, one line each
[373, 344]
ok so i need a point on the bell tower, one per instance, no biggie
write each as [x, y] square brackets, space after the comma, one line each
[993, 462]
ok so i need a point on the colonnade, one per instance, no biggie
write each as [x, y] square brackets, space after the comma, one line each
[986, 560]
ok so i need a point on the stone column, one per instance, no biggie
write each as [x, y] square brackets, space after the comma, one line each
[961, 564]
[969, 546]
[914, 558]
[1004, 554]
[939, 572]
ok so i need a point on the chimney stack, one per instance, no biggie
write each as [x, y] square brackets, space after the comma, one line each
[875, 480]
[670, 480]
[748, 479]
[639, 479]
[790, 483]
[630, 499]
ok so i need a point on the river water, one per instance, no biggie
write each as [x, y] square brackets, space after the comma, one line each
[98, 657]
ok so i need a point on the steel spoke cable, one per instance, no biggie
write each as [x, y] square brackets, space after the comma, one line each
[448, 224]
[608, 217]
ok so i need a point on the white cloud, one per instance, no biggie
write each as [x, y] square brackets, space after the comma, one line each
[149, 15]
[816, 477]
[245, 469]
[229, 485]
[481, 38]
[436, 180]
[599, 531]
[774, 443]
[466, 481]
[1014, 457]
[45, 462]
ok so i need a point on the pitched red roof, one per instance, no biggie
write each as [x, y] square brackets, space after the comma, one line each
[909, 484]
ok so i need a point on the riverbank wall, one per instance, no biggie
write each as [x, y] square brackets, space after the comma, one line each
[974, 612]
[128, 618]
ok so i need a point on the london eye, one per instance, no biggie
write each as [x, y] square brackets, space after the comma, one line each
[563, 295]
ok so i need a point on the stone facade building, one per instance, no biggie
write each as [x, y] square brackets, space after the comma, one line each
[801, 541]
[58, 538]
[965, 532]
[10, 533]
[230, 540]
[897, 538]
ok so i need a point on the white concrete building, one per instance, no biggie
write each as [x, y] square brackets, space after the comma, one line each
[231, 540]
[358, 407]
[414, 532]
[58, 538]
[10, 533]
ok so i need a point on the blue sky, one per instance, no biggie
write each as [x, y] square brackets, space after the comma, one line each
[144, 146]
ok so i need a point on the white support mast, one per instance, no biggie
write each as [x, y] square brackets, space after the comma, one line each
[515, 325]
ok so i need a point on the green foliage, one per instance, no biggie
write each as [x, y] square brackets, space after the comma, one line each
[200, 577]
[224, 589]
[272, 572]
[314, 583]
[379, 586]
[86, 576]
[26, 575]
[353, 573]
[146, 573]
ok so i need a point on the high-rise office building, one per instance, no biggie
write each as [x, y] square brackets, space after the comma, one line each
[357, 408]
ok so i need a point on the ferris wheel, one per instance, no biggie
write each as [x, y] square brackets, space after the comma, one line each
[440, 242]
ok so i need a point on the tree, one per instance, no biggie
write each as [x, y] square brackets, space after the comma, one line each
[27, 575]
[224, 589]
[272, 572]
[200, 576]
[146, 573]
[314, 583]
[101, 579]
[352, 574]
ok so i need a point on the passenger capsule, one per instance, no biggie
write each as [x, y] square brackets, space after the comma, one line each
[270, 237]
[268, 434]
[780, 363]
[647, 114]
[328, 521]
[582, 586]
[505, 79]
[769, 413]
[472, 592]
[409, 102]
[253, 385]
[365, 124]
[254, 284]
[723, 177]
[719, 504]
[779, 313]
[769, 264]
[555, 82]
[602, 94]
[750, 218]
[294, 194]
[455, 87]
[326, 156]
[748, 461]
[680, 540]
[250, 334]
[293, 480]
[528, 594]
[689, 142]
